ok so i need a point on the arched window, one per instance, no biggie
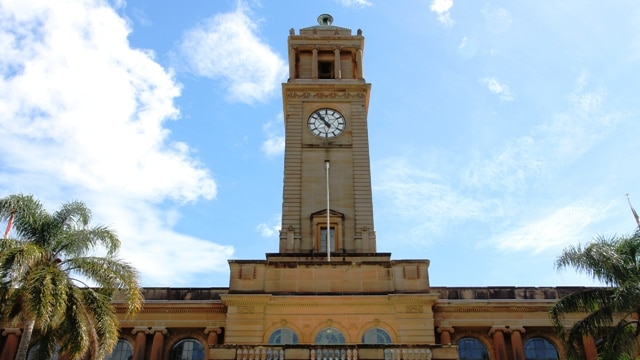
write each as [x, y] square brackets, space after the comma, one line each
[188, 349]
[376, 336]
[329, 336]
[540, 348]
[471, 349]
[122, 351]
[283, 336]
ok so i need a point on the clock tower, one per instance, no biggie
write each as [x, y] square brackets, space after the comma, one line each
[327, 179]
[327, 272]
[327, 240]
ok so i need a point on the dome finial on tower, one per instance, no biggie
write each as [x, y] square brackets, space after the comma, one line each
[325, 19]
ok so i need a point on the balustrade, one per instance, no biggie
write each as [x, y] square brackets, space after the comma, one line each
[324, 352]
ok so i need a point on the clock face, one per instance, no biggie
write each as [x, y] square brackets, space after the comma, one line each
[326, 123]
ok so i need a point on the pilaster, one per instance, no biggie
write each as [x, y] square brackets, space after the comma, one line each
[11, 343]
[517, 347]
[499, 345]
[157, 346]
[445, 334]
[141, 342]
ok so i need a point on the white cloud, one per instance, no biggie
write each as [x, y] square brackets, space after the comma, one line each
[360, 3]
[510, 168]
[468, 47]
[82, 115]
[442, 7]
[226, 47]
[554, 143]
[489, 191]
[498, 19]
[562, 227]
[270, 228]
[274, 143]
[498, 88]
[426, 197]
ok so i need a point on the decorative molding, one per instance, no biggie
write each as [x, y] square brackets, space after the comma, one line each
[11, 331]
[317, 305]
[247, 272]
[448, 329]
[496, 328]
[411, 272]
[175, 310]
[160, 329]
[325, 95]
[491, 309]
[414, 309]
[143, 329]
[213, 329]
[246, 310]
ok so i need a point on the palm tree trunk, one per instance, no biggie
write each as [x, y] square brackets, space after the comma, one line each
[25, 339]
[9, 224]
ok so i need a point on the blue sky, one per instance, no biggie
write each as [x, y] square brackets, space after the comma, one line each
[500, 131]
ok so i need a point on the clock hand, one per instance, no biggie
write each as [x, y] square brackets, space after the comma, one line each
[326, 123]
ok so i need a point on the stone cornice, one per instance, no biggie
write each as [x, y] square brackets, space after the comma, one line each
[174, 308]
[342, 301]
[492, 309]
[325, 89]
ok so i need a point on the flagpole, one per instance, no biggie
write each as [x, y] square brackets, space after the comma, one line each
[633, 211]
[326, 165]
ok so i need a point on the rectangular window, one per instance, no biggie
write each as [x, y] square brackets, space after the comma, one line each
[323, 239]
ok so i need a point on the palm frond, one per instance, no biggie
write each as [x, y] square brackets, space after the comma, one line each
[106, 322]
[76, 332]
[619, 342]
[111, 274]
[37, 283]
[24, 207]
[585, 300]
[73, 215]
[80, 242]
[46, 295]
[606, 311]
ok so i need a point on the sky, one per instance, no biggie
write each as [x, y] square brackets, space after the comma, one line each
[500, 132]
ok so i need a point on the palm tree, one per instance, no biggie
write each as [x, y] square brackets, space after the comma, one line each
[611, 311]
[45, 273]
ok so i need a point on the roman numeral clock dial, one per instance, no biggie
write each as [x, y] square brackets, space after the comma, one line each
[326, 123]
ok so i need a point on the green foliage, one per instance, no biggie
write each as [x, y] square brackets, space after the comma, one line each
[610, 313]
[44, 272]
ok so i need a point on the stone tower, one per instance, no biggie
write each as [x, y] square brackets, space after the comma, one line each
[327, 185]
[327, 152]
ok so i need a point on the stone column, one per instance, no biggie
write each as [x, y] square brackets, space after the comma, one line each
[292, 63]
[140, 346]
[338, 69]
[157, 346]
[445, 334]
[500, 347]
[517, 347]
[590, 351]
[11, 344]
[359, 64]
[213, 332]
[314, 63]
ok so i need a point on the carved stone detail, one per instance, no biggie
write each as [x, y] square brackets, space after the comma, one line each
[246, 310]
[325, 95]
